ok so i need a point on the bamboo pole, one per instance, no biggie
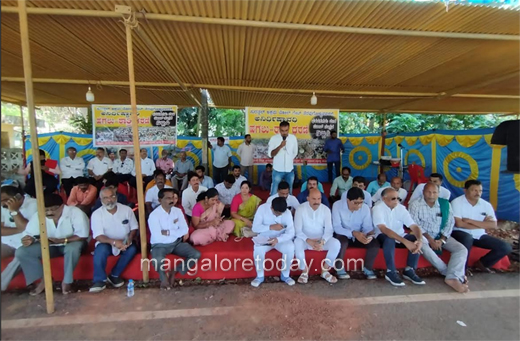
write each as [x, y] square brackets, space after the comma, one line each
[24, 159]
[269, 25]
[204, 119]
[37, 170]
[137, 160]
[383, 136]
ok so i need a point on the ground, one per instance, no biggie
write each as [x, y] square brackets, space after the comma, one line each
[351, 309]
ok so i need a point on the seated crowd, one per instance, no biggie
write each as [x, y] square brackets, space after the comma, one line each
[185, 209]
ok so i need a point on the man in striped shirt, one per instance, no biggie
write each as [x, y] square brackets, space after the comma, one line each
[436, 227]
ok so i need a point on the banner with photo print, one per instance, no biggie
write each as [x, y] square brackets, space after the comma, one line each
[113, 125]
[310, 126]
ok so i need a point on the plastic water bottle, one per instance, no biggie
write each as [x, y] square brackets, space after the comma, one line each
[130, 290]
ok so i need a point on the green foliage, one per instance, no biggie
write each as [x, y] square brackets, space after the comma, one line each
[358, 123]
[366, 123]
[222, 122]
[226, 122]
[83, 123]
[187, 124]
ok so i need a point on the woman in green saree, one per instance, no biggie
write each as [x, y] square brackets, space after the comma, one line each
[243, 208]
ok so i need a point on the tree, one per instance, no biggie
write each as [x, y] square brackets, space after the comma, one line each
[226, 122]
[83, 123]
[187, 122]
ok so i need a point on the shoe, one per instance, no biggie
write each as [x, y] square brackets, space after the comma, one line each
[412, 277]
[369, 273]
[115, 281]
[342, 274]
[257, 281]
[98, 287]
[394, 279]
[288, 280]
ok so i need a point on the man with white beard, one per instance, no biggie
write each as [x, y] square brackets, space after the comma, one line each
[114, 227]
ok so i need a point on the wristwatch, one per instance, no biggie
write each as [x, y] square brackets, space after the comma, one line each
[13, 213]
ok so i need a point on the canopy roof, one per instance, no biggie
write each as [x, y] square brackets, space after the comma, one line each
[356, 55]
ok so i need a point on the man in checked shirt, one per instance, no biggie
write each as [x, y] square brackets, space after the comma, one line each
[434, 215]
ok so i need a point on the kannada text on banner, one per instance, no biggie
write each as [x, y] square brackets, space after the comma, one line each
[310, 126]
[113, 125]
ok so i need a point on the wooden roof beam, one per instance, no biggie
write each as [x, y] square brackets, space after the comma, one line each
[266, 24]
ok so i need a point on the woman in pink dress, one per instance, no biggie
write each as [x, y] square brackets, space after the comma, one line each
[208, 221]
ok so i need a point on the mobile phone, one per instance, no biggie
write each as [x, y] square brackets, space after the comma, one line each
[18, 196]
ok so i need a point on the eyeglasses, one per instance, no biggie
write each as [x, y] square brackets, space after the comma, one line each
[393, 198]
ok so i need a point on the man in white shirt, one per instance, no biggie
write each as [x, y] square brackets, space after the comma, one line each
[189, 196]
[67, 231]
[313, 229]
[283, 148]
[124, 167]
[473, 216]
[169, 233]
[239, 178]
[98, 166]
[360, 182]
[388, 217]
[226, 193]
[436, 178]
[151, 197]
[221, 160]
[17, 209]
[114, 227]
[147, 169]
[274, 225]
[283, 192]
[397, 184]
[205, 180]
[71, 168]
[435, 217]
[246, 151]
[352, 223]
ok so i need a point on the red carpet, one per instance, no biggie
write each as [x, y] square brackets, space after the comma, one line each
[235, 260]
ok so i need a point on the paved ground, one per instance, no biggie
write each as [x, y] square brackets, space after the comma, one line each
[352, 309]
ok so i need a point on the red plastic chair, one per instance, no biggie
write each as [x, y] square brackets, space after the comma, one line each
[416, 177]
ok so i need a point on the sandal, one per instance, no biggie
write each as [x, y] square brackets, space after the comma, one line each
[304, 278]
[328, 277]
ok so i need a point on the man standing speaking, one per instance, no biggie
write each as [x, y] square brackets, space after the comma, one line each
[283, 148]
